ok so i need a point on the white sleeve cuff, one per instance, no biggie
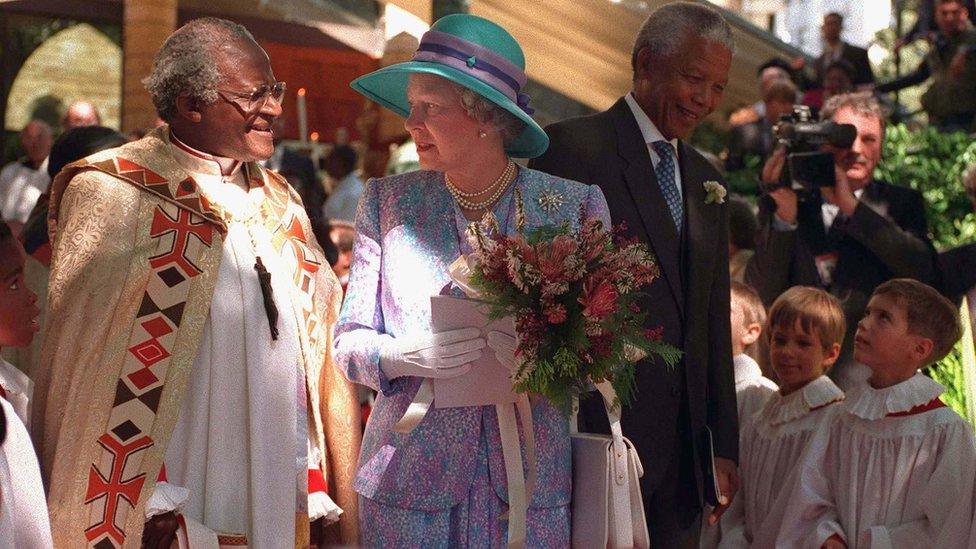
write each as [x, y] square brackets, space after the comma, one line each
[321, 505]
[783, 226]
[876, 537]
[166, 497]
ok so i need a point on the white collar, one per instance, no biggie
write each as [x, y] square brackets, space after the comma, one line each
[196, 161]
[818, 393]
[746, 369]
[869, 403]
[13, 380]
[647, 128]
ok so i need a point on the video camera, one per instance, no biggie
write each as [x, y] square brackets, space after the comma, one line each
[807, 167]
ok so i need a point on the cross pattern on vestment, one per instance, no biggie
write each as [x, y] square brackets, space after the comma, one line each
[182, 228]
[113, 488]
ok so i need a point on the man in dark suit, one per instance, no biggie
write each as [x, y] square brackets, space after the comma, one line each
[659, 187]
[847, 239]
[836, 49]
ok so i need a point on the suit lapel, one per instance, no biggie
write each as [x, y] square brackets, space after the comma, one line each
[647, 197]
[697, 227]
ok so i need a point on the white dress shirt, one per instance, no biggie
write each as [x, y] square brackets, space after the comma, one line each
[652, 134]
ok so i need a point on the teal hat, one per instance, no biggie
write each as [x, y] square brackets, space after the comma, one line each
[475, 53]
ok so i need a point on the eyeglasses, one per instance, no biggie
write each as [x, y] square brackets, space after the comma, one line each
[257, 98]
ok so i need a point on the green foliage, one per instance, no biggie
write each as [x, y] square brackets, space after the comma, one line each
[745, 182]
[933, 163]
[949, 373]
[709, 137]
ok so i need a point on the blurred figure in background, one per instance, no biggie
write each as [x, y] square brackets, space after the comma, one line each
[23, 180]
[756, 138]
[835, 49]
[299, 170]
[342, 234]
[348, 187]
[950, 101]
[72, 145]
[774, 70]
[80, 113]
[742, 237]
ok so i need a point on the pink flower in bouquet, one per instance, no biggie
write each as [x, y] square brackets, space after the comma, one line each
[532, 331]
[556, 314]
[593, 240]
[654, 334]
[599, 298]
[553, 257]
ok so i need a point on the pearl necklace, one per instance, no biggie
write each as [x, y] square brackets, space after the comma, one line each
[499, 186]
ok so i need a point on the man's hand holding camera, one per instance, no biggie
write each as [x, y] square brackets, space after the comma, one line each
[836, 157]
[786, 199]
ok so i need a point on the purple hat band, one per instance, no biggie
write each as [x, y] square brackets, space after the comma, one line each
[480, 62]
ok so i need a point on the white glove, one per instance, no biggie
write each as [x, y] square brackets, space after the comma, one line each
[504, 346]
[439, 356]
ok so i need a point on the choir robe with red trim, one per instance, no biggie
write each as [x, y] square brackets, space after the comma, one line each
[896, 469]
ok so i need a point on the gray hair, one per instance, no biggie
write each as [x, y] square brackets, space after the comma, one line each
[185, 63]
[666, 30]
[862, 103]
[485, 111]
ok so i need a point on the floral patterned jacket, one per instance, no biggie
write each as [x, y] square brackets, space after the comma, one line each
[409, 230]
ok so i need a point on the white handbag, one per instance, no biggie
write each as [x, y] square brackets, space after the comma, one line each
[607, 507]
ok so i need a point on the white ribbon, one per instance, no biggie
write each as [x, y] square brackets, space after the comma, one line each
[520, 488]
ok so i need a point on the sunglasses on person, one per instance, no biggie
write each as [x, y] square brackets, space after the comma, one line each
[256, 99]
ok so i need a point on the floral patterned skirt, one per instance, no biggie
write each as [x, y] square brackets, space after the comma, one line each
[474, 522]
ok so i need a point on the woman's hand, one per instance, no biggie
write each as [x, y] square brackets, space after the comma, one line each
[504, 346]
[439, 356]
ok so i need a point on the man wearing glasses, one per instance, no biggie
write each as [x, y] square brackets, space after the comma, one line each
[187, 386]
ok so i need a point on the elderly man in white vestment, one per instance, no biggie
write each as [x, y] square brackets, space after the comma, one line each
[186, 381]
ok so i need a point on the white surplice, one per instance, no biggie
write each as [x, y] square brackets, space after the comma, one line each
[238, 458]
[24, 520]
[752, 391]
[18, 389]
[896, 470]
[770, 450]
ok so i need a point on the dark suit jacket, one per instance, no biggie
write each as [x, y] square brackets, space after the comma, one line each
[857, 57]
[887, 237]
[690, 300]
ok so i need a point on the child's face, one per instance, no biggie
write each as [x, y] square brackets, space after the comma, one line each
[882, 340]
[737, 320]
[798, 357]
[18, 309]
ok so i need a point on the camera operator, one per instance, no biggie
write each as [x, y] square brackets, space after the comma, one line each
[846, 236]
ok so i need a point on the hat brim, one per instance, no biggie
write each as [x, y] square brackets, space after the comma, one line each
[388, 87]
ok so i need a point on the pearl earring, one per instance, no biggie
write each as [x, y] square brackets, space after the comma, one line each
[482, 134]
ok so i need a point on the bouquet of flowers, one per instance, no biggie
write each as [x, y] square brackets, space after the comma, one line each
[573, 295]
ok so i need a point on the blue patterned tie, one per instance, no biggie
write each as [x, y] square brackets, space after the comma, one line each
[665, 179]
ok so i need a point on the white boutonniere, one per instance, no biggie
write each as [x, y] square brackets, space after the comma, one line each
[714, 192]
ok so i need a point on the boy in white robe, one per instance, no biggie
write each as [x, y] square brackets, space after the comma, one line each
[747, 316]
[897, 468]
[805, 330]
[23, 508]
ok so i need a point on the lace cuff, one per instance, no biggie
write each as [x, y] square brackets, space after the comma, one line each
[166, 497]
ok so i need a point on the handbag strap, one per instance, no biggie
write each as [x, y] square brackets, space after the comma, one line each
[612, 406]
